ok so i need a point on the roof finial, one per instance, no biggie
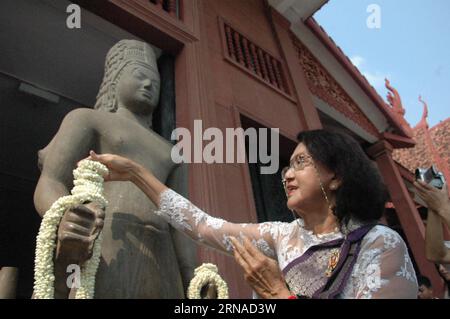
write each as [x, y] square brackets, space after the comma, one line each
[396, 106]
[423, 121]
[394, 99]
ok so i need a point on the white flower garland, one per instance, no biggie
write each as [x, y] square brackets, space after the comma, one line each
[88, 186]
[207, 274]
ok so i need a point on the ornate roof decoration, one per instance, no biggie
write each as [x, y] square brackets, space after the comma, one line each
[423, 121]
[396, 106]
[322, 84]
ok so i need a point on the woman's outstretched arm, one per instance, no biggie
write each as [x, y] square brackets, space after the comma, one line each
[185, 216]
[124, 169]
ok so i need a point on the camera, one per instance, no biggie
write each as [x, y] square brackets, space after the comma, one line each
[430, 176]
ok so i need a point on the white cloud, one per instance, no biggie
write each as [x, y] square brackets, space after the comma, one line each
[375, 78]
[357, 61]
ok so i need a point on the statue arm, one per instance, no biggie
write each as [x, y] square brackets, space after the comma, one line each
[185, 248]
[72, 143]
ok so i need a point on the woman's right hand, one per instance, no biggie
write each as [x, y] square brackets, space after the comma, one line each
[123, 169]
[120, 168]
[436, 199]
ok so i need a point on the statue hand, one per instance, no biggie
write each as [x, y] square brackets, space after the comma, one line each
[120, 168]
[77, 232]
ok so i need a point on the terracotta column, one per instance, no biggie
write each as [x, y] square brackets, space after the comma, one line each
[406, 211]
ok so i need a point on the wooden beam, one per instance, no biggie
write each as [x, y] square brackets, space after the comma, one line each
[398, 141]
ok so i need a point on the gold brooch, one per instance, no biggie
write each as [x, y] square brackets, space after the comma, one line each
[332, 262]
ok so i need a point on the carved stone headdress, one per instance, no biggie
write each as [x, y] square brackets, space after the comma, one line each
[123, 53]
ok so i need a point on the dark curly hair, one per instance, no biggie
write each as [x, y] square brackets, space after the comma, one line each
[362, 194]
[422, 280]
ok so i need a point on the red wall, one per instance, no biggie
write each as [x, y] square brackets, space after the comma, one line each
[234, 91]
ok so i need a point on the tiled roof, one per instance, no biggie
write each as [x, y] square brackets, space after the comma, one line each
[432, 147]
[417, 156]
[440, 134]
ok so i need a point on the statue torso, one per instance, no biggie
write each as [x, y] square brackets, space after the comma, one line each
[138, 256]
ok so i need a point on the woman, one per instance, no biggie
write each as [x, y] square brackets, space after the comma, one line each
[333, 250]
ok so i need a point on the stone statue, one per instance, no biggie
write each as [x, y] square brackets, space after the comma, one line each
[8, 282]
[142, 256]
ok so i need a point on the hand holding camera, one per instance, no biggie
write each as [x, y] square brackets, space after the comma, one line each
[431, 187]
[430, 176]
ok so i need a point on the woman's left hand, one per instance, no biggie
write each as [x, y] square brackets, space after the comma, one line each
[261, 272]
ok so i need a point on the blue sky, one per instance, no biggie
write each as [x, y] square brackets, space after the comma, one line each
[411, 48]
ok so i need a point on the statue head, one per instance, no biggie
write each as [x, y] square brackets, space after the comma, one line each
[131, 78]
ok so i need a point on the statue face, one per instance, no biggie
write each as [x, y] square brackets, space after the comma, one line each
[138, 89]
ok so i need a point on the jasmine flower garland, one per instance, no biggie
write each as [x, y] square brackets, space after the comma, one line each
[207, 274]
[88, 186]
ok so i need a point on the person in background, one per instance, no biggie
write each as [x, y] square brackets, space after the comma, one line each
[425, 288]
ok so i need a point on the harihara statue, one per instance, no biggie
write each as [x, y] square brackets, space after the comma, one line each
[142, 256]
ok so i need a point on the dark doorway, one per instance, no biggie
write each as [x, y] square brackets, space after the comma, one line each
[27, 124]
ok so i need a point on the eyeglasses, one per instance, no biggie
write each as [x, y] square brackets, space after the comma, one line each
[299, 162]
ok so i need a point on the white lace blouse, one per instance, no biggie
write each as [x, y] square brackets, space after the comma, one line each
[383, 268]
